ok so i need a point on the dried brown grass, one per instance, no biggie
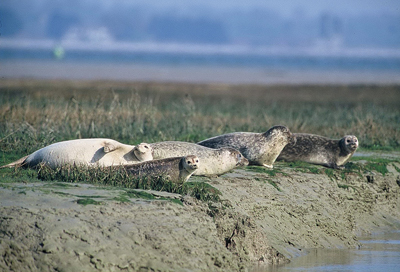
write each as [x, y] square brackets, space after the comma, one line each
[36, 113]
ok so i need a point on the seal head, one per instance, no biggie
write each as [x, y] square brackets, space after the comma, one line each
[240, 159]
[189, 164]
[348, 144]
[143, 152]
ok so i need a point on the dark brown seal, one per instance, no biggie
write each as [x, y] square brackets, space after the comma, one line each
[258, 148]
[320, 150]
[176, 169]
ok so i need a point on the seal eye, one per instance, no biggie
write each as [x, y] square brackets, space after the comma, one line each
[189, 162]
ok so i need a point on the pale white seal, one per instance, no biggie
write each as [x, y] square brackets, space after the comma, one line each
[88, 152]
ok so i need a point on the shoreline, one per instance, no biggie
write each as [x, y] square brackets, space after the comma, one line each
[211, 74]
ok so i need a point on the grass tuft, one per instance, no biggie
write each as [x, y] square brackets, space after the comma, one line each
[118, 177]
[87, 201]
[275, 185]
[378, 167]
[304, 167]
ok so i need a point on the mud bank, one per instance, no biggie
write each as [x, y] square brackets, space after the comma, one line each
[262, 217]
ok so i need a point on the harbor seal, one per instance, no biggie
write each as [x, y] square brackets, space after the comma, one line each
[320, 150]
[213, 161]
[176, 169]
[89, 152]
[259, 148]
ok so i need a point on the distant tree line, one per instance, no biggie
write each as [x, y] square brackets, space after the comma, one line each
[254, 27]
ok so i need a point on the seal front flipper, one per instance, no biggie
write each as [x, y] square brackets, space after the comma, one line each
[109, 147]
[332, 165]
[268, 166]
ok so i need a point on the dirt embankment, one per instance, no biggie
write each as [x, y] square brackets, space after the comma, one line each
[262, 218]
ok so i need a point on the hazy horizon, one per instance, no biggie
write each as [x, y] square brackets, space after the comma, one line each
[254, 41]
[332, 24]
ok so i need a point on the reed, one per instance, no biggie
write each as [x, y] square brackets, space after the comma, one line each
[34, 114]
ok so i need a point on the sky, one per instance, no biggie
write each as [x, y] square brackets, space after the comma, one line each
[284, 7]
[361, 22]
[287, 7]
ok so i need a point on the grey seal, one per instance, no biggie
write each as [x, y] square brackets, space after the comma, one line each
[213, 161]
[258, 148]
[320, 150]
[89, 152]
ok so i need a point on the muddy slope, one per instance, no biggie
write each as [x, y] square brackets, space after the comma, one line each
[263, 217]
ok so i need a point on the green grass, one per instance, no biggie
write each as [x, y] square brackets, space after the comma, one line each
[378, 167]
[330, 173]
[305, 167]
[372, 164]
[264, 170]
[34, 114]
[120, 178]
[88, 201]
[9, 175]
[140, 194]
[343, 186]
[147, 196]
[346, 187]
[271, 182]
[274, 185]
[121, 198]
[395, 167]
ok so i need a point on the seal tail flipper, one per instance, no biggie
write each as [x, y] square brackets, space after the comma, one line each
[17, 163]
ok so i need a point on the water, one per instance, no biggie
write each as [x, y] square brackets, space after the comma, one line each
[190, 66]
[276, 61]
[378, 253]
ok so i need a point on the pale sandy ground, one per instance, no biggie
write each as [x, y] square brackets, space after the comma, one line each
[43, 228]
[190, 74]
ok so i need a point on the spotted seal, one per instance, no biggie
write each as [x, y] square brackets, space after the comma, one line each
[259, 148]
[320, 150]
[213, 161]
[89, 152]
[176, 169]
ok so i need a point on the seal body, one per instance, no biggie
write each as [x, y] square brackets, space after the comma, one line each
[213, 161]
[258, 148]
[88, 152]
[320, 150]
[176, 169]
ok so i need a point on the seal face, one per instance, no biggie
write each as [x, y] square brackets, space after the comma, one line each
[87, 152]
[143, 152]
[213, 161]
[320, 150]
[176, 169]
[258, 148]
